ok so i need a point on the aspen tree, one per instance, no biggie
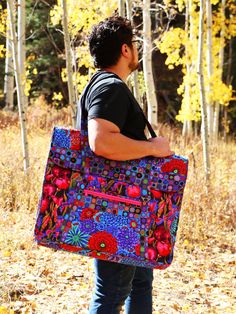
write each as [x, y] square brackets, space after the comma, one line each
[121, 6]
[209, 66]
[147, 65]
[81, 17]
[19, 86]
[9, 70]
[179, 45]
[228, 82]
[187, 124]
[21, 18]
[69, 67]
[221, 64]
[205, 134]
[135, 73]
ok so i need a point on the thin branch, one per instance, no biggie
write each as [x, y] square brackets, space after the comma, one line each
[50, 37]
[33, 10]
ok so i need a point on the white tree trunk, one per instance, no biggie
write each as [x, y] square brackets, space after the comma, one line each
[69, 61]
[184, 129]
[229, 79]
[192, 65]
[147, 65]
[210, 108]
[204, 129]
[135, 73]
[121, 6]
[19, 86]
[221, 64]
[21, 44]
[129, 9]
[187, 126]
[9, 71]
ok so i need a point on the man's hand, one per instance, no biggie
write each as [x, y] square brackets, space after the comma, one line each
[161, 147]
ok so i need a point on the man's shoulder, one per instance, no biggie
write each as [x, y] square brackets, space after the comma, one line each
[109, 82]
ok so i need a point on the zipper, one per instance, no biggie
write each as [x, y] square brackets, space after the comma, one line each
[112, 197]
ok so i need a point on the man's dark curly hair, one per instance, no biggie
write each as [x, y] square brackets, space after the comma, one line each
[107, 38]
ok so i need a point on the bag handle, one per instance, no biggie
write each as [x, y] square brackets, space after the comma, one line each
[150, 129]
[81, 107]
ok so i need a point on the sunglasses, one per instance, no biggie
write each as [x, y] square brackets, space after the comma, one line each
[138, 43]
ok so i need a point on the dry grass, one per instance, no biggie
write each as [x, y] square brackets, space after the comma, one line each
[32, 278]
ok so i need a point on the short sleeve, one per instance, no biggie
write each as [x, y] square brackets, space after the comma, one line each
[110, 102]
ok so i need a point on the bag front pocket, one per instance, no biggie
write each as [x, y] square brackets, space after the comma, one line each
[112, 197]
[105, 221]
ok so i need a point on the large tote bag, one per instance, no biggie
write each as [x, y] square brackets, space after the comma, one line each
[120, 211]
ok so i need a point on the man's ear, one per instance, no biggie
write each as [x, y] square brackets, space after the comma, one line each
[125, 49]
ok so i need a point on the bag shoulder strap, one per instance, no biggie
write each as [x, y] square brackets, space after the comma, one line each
[81, 110]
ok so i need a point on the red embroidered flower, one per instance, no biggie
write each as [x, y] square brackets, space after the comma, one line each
[164, 248]
[152, 254]
[102, 181]
[49, 189]
[151, 240]
[103, 241]
[57, 200]
[90, 178]
[177, 165]
[56, 171]
[70, 248]
[78, 203]
[62, 183]
[48, 177]
[133, 191]
[65, 173]
[75, 139]
[69, 224]
[44, 205]
[156, 194]
[137, 249]
[88, 213]
[161, 234]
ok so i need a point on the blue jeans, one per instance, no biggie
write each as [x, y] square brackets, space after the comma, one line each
[116, 284]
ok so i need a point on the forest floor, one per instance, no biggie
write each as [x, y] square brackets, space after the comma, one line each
[39, 280]
[35, 279]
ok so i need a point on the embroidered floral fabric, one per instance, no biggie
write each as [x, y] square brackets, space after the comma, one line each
[125, 212]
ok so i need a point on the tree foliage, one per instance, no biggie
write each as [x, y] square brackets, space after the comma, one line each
[81, 17]
[46, 67]
[181, 48]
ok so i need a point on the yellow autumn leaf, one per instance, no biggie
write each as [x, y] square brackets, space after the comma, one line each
[186, 308]
[51, 292]
[57, 96]
[6, 253]
[202, 276]
[33, 305]
[186, 242]
[199, 275]
[4, 310]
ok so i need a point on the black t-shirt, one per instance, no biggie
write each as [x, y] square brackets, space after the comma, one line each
[109, 98]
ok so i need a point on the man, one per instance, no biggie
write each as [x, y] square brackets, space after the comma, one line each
[116, 131]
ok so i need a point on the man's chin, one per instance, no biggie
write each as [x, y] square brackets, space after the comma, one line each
[134, 66]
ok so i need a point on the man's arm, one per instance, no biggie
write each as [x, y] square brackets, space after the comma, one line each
[106, 140]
